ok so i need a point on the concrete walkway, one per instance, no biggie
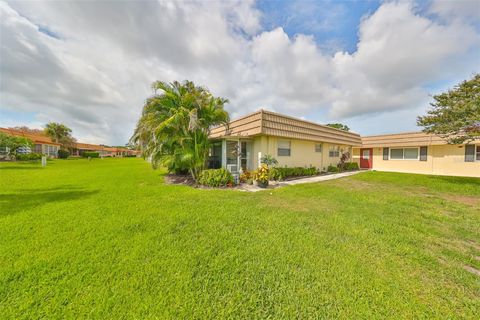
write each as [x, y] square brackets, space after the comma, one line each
[252, 188]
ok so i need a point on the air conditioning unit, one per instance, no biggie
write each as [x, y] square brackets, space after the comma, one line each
[232, 168]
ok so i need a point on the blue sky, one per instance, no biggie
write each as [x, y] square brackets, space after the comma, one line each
[334, 24]
[370, 64]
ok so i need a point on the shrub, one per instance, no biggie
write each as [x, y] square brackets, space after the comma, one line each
[91, 154]
[215, 178]
[63, 154]
[269, 160]
[245, 176]
[262, 175]
[276, 174]
[333, 169]
[285, 172]
[28, 156]
[351, 166]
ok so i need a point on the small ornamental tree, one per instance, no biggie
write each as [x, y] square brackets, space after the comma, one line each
[269, 160]
[13, 143]
[455, 114]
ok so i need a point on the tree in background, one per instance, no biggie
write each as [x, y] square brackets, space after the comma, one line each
[60, 133]
[175, 124]
[455, 114]
[13, 143]
[338, 126]
[28, 130]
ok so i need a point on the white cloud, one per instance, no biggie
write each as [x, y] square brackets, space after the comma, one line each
[98, 72]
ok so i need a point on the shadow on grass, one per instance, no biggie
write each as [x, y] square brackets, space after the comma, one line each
[21, 201]
[458, 180]
[24, 167]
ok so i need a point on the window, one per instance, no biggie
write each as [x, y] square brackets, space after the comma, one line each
[404, 154]
[366, 154]
[410, 153]
[334, 152]
[37, 148]
[478, 153]
[318, 147]
[385, 153]
[283, 148]
[423, 153]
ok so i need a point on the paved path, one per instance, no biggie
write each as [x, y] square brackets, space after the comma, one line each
[252, 188]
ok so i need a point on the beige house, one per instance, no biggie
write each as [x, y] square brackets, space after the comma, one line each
[293, 142]
[299, 143]
[417, 152]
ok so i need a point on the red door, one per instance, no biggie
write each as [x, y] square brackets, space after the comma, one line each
[366, 158]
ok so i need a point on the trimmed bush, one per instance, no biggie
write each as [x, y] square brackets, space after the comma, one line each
[63, 154]
[28, 157]
[91, 154]
[285, 172]
[350, 166]
[215, 178]
[333, 169]
[246, 176]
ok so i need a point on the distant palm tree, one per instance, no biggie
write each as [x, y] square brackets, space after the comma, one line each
[60, 133]
[175, 124]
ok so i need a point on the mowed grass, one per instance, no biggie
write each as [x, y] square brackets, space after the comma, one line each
[108, 239]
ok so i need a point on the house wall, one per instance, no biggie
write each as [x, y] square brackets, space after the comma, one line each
[441, 160]
[302, 152]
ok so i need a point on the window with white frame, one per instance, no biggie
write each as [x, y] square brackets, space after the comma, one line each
[478, 153]
[334, 152]
[404, 153]
[318, 147]
[283, 148]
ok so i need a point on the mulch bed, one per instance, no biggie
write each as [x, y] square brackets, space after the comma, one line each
[180, 179]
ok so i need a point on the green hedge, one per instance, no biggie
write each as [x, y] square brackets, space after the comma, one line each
[91, 154]
[63, 154]
[350, 166]
[286, 172]
[28, 156]
[333, 169]
[215, 178]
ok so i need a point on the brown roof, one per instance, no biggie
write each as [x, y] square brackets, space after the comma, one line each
[88, 146]
[97, 147]
[405, 139]
[270, 123]
[36, 138]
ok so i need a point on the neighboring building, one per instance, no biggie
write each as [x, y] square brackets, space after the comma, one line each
[293, 142]
[417, 152]
[41, 143]
[104, 151]
[44, 145]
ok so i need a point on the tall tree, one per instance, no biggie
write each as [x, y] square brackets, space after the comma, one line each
[339, 126]
[60, 134]
[455, 114]
[175, 124]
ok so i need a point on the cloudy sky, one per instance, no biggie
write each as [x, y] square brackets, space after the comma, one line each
[372, 65]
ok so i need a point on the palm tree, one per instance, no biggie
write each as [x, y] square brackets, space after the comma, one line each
[175, 124]
[60, 134]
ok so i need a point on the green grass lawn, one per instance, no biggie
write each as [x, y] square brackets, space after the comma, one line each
[108, 239]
